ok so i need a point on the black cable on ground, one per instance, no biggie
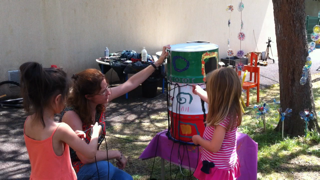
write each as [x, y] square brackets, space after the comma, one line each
[107, 156]
[176, 85]
[170, 157]
[95, 160]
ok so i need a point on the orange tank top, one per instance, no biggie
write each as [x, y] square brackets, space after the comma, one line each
[45, 164]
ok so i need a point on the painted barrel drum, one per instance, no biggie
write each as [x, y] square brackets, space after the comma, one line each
[186, 111]
[189, 63]
[183, 127]
[183, 101]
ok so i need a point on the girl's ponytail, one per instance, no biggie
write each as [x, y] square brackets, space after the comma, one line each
[32, 83]
[38, 85]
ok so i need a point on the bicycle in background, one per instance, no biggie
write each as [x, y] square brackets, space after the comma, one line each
[10, 94]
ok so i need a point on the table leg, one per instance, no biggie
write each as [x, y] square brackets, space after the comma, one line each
[163, 85]
[162, 169]
[163, 79]
[126, 76]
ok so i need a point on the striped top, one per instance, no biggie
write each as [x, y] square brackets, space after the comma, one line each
[226, 157]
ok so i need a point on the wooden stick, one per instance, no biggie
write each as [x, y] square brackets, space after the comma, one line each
[306, 128]
[3, 96]
[264, 122]
[282, 128]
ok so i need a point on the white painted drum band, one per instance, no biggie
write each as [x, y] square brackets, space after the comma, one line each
[183, 101]
[193, 47]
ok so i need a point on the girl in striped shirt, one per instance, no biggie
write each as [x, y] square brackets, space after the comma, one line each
[219, 159]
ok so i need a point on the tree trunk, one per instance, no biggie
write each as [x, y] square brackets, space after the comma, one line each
[289, 17]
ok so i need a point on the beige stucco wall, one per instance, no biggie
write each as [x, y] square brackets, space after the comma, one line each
[312, 7]
[71, 34]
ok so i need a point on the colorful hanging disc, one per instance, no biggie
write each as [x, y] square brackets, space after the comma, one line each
[240, 54]
[230, 8]
[316, 29]
[308, 62]
[308, 58]
[314, 36]
[312, 46]
[241, 36]
[240, 6]
[230, 53]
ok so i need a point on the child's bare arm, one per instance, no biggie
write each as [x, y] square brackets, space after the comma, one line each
[197, 90]
[67, 135]
[215, 144]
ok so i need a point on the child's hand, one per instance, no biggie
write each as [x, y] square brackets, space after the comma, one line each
[196, 89]
[97, 127]
[195, 139]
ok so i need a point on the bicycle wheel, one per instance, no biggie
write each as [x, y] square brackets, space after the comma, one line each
[10, 95]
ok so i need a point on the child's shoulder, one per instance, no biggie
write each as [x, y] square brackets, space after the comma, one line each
[63, 127]
[225, 122]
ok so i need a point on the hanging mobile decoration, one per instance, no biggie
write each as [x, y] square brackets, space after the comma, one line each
[283, 116]
[262, 111]
[240, 54]
[306, 116]
[311, 46]
[315, 36]
[316, 29]
[304, 77]
[317, 42]
[305, 71]
[229, 8]
[308, 62]
[240, 6]
[230, 53]
[241, 36]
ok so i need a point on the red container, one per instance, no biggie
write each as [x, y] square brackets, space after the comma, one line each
[183, 127]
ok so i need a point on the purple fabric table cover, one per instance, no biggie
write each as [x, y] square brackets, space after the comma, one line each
[188, 155]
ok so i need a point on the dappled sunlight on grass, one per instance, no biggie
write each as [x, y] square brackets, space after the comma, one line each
[280, 158]
[288, 158]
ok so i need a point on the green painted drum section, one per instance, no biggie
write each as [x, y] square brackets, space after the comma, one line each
[184, 63]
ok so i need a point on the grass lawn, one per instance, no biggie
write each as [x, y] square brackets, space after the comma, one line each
[133, 123]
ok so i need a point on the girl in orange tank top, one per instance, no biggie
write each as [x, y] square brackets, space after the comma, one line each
[44, 91]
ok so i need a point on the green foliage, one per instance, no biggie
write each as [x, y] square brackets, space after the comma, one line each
[313, 136]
